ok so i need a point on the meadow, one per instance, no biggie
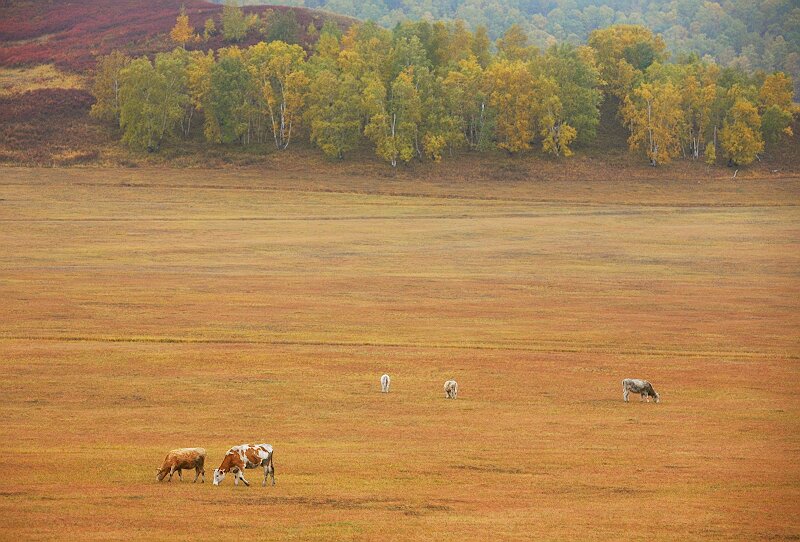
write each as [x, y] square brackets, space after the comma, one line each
[147, 309]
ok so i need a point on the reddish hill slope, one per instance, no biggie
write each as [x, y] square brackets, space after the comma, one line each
[71, 34]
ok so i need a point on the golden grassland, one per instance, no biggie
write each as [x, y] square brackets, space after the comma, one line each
[144, 310]
[18, 80]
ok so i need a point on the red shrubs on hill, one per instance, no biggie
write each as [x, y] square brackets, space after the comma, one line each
[72, 34]
[37, 125]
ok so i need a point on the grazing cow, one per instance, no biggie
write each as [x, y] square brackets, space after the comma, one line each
[246, 456]
[642, 387]
[385, 381]
[183, 458]
[450, 389]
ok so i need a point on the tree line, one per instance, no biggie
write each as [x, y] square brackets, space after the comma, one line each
[745, 33]
[424, 90]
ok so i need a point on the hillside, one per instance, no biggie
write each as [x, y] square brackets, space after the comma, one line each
[72, 34]
[47, 54]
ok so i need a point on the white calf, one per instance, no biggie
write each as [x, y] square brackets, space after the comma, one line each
[450, 389]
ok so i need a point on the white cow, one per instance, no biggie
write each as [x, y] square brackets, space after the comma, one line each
[450, 389]
[385, 381]
[642, 387]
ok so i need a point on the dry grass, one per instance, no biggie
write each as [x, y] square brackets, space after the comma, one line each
[19, 80]
[149, 309]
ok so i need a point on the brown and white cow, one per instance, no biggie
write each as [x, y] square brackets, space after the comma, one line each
[246, 456]
[183, 458]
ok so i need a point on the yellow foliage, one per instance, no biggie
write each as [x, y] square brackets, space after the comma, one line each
[182, 32]
[622, 52]
[777, 90]
[514, 44]
[512, 94]
[711, 153]
[740, 136]
[654, 116]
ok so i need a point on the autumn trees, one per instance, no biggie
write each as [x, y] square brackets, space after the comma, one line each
[691, 106]
[740, 135]
[424, 90]
[106, 86]
[653, 115]
[152, 99]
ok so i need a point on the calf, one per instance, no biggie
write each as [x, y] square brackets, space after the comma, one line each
[385, 381]
[246, 456]
[450, 389]
[642, 387]
[183, 458]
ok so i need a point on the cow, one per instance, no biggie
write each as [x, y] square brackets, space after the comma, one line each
[642, 387]
[385, 381]
[450, 389]
[246, 456]
[183, 458]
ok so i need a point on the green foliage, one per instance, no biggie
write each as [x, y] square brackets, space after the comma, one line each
[466, 95]
[393, 118]
[577, 80]
[334, 113]
[230, 98]
[282, 26]
[277, 70]
[234, 22]
[152, 99]
[776, 123]
[209, 29]
[106, 86]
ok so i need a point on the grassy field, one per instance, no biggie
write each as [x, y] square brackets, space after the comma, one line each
[143, 310]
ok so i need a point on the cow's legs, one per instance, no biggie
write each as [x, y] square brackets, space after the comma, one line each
[266, 474]
[180, 474]
[241, 475]
[171, 472]
[625, 393]
[196, 474]
[236, 478]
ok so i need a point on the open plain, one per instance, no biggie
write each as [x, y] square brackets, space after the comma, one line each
[147, 309]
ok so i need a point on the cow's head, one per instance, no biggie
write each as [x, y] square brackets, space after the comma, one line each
[160, 474]
[219, 476]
